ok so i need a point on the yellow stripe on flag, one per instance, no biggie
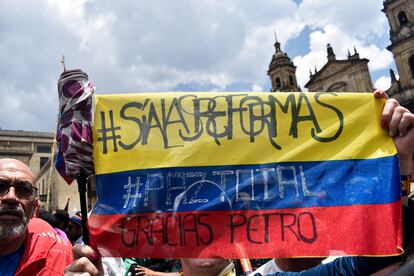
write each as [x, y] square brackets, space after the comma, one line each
[155, 130]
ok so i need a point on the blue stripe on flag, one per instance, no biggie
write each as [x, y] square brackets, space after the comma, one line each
[250, 187]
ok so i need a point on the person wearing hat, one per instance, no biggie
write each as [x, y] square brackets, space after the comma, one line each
[74, 229]
[62, 217]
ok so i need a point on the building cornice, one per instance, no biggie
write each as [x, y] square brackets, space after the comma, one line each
[22, 133]
[349, 62]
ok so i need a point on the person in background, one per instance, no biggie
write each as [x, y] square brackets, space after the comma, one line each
[28, 245]
[54, 222]
[62, 217]
[74, 229]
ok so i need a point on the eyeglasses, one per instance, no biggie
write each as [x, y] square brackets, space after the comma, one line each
[23, 190]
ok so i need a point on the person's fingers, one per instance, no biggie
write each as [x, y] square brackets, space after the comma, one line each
[393, 127]
[387, 112]
[81, 250]
[136, 271]
[85, 260]
[140, 272]
[380, 94]
[81, 266]
[407, 121]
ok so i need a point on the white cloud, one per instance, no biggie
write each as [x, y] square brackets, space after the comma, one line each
[341, 42]
[343, 24]
[378, 58]
[257, 87]
[383, 83]
[355, 17]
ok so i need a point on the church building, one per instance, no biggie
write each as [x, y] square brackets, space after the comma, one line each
[400, 15]
[347, 75]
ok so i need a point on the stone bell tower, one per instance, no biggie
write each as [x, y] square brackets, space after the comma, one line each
[282, 72]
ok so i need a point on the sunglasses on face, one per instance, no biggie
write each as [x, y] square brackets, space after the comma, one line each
[23, 190]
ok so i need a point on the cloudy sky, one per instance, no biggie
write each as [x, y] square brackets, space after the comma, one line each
[176, 45]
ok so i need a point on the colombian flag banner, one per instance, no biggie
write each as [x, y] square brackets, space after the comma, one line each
[244, 175]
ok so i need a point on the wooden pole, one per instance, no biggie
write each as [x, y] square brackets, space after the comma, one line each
[52, 155]
[63, 63]
[51, 168]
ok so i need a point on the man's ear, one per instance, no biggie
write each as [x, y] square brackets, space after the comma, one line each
[36, 207]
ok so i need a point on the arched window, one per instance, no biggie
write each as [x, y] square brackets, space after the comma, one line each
[278, 84]
[338, 87]
[291, 80]
[402, 18]
[411, 64]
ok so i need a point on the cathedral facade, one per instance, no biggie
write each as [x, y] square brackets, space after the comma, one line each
[347, 75]
[352, 74]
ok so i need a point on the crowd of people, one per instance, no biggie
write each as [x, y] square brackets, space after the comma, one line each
[34, 241]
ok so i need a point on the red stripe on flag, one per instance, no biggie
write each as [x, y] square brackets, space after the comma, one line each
[317, 231]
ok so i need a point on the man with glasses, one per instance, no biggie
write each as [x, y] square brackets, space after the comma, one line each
[28, 245]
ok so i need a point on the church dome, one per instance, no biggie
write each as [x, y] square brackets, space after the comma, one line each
[279, 58]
